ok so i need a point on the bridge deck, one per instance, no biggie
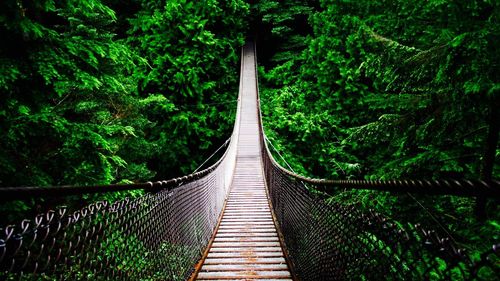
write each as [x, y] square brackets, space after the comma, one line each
[246, 245]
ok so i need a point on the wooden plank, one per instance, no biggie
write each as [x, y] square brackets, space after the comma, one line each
[244, 275]
[248, 206]
[243, 267]
[267, 279]
[241, 202]
[254, 211]
[247, 200]
[230, 213]
[245, 255]
[248, 250]
[252, 227]
[253, 217]
[248, 223]
[247, 239]
[244, 244]
[260, 206]
[231, 216]
[248, 196]
[271, 260]
[246, 213]
[257, 214]
[246, 234]
[235, 229]
[241, 218]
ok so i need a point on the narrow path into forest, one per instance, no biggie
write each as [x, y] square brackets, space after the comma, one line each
[246, 245]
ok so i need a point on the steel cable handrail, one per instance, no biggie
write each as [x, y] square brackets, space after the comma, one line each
[331, 240]
[159, 235]
[461, 187]
[490, 189]
[457, 187]
[26, 192]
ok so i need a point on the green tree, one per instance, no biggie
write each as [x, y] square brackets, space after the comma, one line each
[67, 103]
[392, 90]
[192, 50]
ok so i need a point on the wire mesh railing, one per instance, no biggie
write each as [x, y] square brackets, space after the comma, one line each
[328, 240]
[157, 236]
[160, 235]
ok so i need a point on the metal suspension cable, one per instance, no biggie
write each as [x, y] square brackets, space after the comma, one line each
[277, 152]
[212, 155]
[159, 235]
[409, 194]
[25, 192]
[462, 187]
[490, 189]
[333, 240]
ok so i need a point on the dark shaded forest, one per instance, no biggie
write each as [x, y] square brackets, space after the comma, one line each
[388, 90]
[105, 91]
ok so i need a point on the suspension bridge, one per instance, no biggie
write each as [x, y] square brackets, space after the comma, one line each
[243, 218]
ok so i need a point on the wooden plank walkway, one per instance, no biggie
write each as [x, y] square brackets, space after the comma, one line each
[246, 245]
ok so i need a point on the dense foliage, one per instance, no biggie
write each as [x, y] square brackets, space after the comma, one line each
[384, 90]
[97, 92]
[107, 91]
[191, 83]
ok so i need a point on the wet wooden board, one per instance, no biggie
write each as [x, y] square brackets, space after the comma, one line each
[246, 245]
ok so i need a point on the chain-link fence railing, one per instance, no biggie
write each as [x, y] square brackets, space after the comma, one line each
[157, 236]
[327, 240]
[160, 235]
[332, 241]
